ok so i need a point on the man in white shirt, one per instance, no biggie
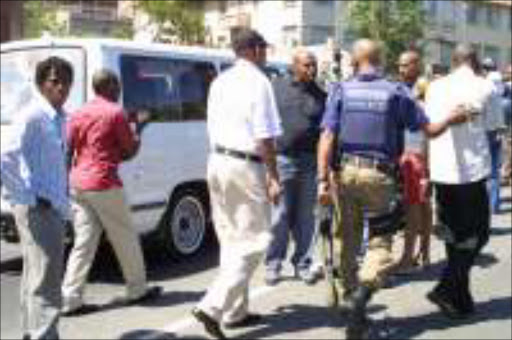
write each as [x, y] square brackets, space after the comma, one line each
[243, 123]
[459, 166]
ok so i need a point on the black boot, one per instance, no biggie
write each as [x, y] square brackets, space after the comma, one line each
[358, 322]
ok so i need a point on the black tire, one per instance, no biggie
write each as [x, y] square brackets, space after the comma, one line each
[185, 226]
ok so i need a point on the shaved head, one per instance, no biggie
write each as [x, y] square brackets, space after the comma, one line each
[465, 55]
[304, 65]
[409, 66]
[366, 52]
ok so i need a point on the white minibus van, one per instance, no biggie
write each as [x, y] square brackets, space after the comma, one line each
[165, 182]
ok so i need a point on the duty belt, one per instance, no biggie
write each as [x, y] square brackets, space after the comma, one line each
[370, 163]
[238, 154]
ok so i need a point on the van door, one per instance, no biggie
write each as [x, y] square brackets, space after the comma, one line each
[173, 92]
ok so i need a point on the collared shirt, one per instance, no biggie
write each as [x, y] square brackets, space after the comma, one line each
[406, 113]
[300, 106]
[98, 136]
[33, 159]
[242, 108]
[461, 154]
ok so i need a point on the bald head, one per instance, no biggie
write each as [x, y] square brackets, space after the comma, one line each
[304, 65]
[465, 55]
[409, 66]
[366, 52]
[106, 84]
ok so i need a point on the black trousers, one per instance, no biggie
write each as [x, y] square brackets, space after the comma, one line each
[463, 211]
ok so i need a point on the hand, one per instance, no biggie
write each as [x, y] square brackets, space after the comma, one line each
[461, 114]
[274, 190]
[324, 196]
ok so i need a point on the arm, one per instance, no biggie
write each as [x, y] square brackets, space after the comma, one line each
[15, 167]
[268, 153]
[129, 142]
[325, 147]
[458, 116]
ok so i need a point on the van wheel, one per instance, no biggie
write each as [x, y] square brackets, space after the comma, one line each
[184, 226]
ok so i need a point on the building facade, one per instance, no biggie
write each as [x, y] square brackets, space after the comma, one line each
[288, 23]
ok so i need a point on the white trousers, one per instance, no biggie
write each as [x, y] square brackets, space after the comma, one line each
[94, 211]
[241, 214]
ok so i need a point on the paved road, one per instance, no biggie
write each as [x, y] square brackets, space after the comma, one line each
[293, 310]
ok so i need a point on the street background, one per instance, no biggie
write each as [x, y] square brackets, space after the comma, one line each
[292, 309]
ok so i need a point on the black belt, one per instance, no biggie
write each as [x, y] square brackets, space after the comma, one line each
[238, 154]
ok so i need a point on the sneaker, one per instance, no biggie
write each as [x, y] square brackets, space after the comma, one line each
[306, 275]
[272, 277]
[150, 294]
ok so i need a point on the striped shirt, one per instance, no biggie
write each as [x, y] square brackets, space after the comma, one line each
[33, 157]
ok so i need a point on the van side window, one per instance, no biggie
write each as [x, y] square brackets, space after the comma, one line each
[169, 89]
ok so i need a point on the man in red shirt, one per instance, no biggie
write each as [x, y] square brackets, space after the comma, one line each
[100, 138]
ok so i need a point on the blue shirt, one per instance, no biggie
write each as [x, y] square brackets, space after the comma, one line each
[33, 159]
[406, 113]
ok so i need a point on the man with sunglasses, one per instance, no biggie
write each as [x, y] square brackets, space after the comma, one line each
[33, 171]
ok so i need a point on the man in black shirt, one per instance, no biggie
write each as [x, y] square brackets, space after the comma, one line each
[301, 104]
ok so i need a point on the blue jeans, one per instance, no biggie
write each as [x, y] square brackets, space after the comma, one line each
[294, 212]
[494, 180]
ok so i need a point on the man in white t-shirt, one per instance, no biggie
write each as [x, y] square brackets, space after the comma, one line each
[459, 167]
[243, 123]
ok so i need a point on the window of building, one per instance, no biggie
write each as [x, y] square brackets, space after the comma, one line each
[446, 49]
[324, 2]
[223, 6]
[431, 7]
[290, 3]
[473, 10]
[169, 89]
[318, 35]
[493, 16]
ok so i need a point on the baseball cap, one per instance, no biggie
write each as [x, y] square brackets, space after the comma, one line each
[248, 38]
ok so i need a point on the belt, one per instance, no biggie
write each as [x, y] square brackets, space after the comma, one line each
[238, 154]
[370, 163]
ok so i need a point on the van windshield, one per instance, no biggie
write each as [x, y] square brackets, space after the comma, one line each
[18, 78]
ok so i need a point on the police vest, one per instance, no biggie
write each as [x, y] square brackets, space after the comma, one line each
[367, 125]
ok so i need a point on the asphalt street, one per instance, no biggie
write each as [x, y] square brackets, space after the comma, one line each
[291, 309]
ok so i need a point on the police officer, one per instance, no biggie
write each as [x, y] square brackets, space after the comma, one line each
[364, 123]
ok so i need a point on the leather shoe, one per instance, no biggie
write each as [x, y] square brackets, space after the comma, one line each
[211, 325]
[82, 310]
[448, 308]
[247, 321]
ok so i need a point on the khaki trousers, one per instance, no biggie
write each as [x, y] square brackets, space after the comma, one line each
[93, 212]
[41, 231]
[371, 191]
[241, 214]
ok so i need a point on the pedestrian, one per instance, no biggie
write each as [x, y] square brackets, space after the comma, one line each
[33, 172]
[507, 108]
[459, 166]
[367, 116]
[414, 172]
[300, 102]
[99, 138]
[243, 181]
[495, 125]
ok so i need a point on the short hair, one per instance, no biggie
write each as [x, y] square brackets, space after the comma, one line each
[102, 79]
[61, 67]
[247, 38]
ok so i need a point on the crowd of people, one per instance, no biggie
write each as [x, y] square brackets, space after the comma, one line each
[374, 151]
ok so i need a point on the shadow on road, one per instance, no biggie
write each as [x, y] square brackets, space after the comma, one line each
[410, 327]
[152, 334]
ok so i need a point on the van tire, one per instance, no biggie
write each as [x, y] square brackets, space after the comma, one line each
[185, 226]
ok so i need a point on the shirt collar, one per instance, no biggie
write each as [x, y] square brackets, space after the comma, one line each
[47, 108]
[369, 75]
[464, 70]
[246, 63]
